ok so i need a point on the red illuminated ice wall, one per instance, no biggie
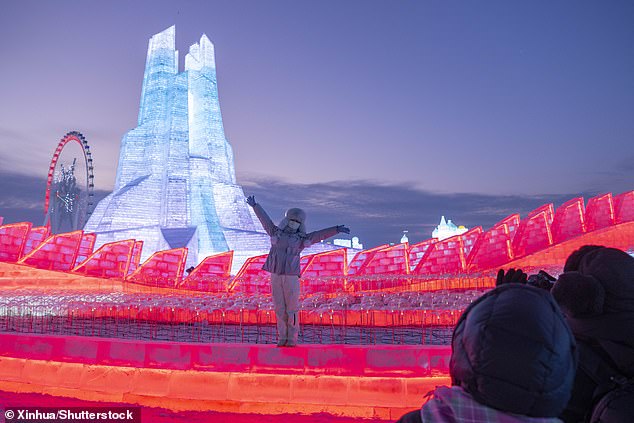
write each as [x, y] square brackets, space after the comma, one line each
[212, 274]
[544, 237]
[35, 238]
[163, 269]
[12, 240]
[324, 272]
[109, 261]
[58, 252]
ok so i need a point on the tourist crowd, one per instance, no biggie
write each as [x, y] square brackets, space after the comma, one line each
[543, 349]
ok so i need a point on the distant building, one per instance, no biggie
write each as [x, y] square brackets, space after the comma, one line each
[348, 243]
[447, 229]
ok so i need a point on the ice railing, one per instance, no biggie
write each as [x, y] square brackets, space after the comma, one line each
[378, 318]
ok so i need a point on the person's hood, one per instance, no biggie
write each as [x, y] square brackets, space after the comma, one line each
[513, 351]
[455, 405]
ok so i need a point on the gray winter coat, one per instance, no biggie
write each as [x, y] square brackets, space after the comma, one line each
[286, 246]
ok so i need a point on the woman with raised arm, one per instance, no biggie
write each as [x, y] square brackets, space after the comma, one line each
[288, 239]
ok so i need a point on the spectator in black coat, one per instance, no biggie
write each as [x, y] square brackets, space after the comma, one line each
[596, 293]
[513, 360]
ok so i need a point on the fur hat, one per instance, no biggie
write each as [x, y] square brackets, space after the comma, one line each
[603, 284]
[295, 214]
[574, 259]
[579, 295]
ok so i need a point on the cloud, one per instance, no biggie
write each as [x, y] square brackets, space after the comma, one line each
[614, 175]
[22, 152]
[376, 213]
[30, 153]
[379, 213]
[22, 198]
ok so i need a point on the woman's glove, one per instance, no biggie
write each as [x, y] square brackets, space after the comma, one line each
[251, 200]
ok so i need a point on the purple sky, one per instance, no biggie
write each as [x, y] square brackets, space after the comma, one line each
[513, 103]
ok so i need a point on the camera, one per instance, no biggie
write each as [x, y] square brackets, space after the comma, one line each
[541, 280]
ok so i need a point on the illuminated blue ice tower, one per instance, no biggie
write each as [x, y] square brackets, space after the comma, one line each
[176, 184]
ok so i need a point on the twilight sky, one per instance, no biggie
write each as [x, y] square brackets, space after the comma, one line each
[379, 114]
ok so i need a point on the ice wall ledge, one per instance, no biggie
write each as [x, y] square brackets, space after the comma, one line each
[338, 360]
[228, 378]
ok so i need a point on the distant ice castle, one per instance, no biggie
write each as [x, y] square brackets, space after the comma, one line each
[176, 184]
[447, 229]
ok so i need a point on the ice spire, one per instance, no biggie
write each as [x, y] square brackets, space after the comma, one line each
[176, 184]
[160, 67]
[201, 55]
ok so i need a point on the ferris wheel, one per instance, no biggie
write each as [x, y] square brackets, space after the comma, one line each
[70, 185]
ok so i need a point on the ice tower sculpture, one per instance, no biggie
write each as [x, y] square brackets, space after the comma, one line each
[175, 183]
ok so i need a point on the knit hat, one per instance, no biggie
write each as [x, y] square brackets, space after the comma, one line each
[513, 351]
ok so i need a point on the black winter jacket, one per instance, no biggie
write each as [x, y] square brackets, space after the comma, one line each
[600, 312]
[513, 351]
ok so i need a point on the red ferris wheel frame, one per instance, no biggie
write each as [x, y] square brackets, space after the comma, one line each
[73, 136]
